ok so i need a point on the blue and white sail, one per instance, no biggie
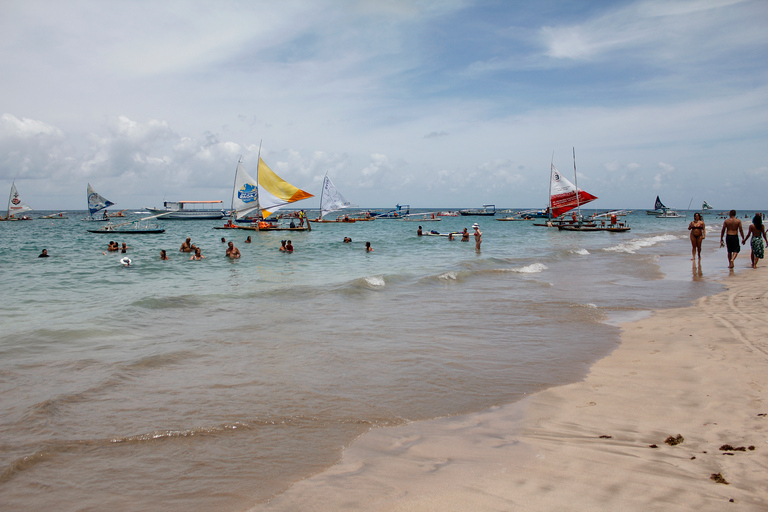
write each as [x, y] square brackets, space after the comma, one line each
[96, 202]
[331, 199]
[245, 195]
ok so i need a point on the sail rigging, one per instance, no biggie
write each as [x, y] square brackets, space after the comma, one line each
[16, 205]
[96, 201]
[331, 199]
[658, 205]
[274, 192]
[706, 206]
[564, 195]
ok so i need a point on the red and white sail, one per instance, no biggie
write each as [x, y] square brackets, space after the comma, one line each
[563, 194]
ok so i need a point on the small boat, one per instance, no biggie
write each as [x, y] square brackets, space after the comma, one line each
[16, 206]
[399, 211]
[189, 210]
[59, 215]
[669, 213]
[264, 195]
[448, 214]
[420, 217]
[487, 210]
[96, 202]
[564, 196]
[658, 208]
[705, 207]
[331, 200]
[134, 227]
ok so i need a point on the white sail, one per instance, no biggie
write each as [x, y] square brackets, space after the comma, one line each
[245, 197]
[706, 206]
[16, 205]
[330, 198]
[96, 202]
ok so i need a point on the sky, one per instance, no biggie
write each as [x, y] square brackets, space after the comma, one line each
[431, 103]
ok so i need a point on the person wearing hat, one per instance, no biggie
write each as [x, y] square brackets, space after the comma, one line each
[478, 236]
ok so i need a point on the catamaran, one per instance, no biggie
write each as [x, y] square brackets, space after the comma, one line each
[16, 206]
[96, 202]
[331, 200]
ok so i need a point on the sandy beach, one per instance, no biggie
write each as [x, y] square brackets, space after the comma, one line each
[606, 443]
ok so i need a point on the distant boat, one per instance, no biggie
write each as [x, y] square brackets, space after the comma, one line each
[399, 211]
[705, 207]
[188, 210]
[59, 215]
[331, 200]
[134, 227]
[16, 206]
[669, 213]
[658, 208]
[486, 210]
[96, 202]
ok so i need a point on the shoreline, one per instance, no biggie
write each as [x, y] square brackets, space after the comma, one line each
[700, 371]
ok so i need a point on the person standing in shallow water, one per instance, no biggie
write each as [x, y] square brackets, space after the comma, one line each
[757, 232]
[731, 229]
[478, 236]
[698, 233]
[368, 247]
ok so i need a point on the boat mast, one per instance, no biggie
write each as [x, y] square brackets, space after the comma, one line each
[258, 186]
[234, 185]
[576, 182]
[10, 197]
[551, 164]
[322, 191]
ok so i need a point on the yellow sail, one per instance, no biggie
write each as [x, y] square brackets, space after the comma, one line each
[275, 192]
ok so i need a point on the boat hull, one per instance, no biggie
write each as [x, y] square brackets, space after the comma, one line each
[186, 214]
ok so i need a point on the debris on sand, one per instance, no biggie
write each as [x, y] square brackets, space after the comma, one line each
[672, 441]
[729, 448]
[717, 477]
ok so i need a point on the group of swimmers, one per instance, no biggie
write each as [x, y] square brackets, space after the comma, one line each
[464, 235]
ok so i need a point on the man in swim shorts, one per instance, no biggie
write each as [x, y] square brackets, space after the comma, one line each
[731, 229]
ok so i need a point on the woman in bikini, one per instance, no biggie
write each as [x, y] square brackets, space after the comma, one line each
[698, 233]
[757, 232]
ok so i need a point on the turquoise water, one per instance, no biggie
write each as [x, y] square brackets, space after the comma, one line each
[215, 384]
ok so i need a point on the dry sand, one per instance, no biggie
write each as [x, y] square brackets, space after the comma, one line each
[597, 445]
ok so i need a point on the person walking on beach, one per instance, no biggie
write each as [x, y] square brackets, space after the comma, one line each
[698, 233]
[478, 236]
[757, 232]
[232, 251]
[731, 229]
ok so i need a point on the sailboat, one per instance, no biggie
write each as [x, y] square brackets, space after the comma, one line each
[331, 200]
[96, 202]
[705, 207]
[564, 196]
[658, 208]
[16, 206]
[267, 194]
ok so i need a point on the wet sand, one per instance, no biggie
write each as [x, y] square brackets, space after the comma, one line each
[700, 373]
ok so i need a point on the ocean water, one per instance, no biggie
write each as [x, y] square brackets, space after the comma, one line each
[214, 385]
